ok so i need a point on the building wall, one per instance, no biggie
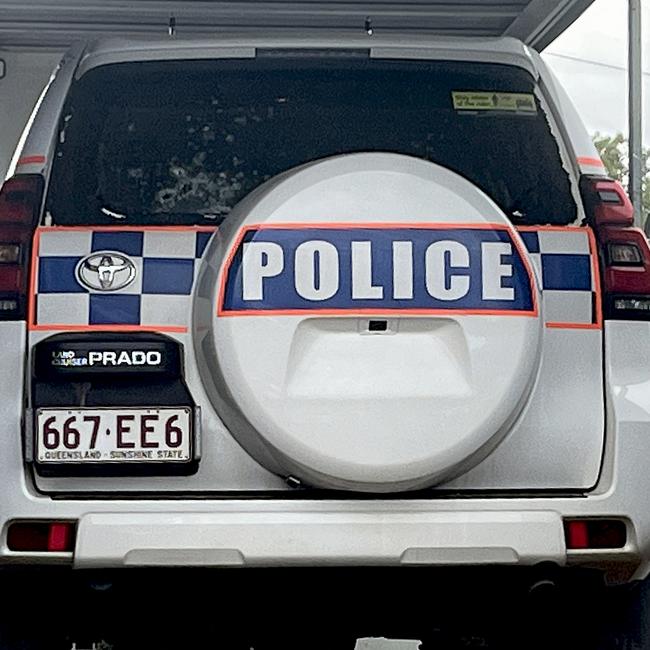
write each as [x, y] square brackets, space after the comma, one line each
[26, 75]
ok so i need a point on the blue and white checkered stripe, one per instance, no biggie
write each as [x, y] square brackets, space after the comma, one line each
[166, 264]
[564, 269]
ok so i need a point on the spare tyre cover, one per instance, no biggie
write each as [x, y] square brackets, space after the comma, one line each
[368, 322]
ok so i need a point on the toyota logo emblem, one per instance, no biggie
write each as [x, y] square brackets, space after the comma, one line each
[105, 271]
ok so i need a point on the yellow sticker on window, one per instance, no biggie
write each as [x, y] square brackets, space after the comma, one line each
[493, 101]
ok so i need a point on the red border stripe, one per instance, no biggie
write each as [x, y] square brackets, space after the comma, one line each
[109, 328]
[31, 160]
[591, 162]
[128, 228]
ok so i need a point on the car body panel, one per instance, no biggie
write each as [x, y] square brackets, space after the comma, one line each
[506, 510]
[620, 491]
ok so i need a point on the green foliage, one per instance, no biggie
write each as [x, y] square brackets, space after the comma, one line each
[614, 153]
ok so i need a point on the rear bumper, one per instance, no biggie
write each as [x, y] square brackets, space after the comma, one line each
[268, 533]
[343, 538]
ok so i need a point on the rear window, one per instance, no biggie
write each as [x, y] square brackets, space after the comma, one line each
[182, 142]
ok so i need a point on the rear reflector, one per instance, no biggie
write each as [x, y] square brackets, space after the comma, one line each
[60, 537]
[41, 537]
[595, 533]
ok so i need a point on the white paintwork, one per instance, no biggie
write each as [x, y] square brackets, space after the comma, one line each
[401, 46]
[205, 539]
[621, 491]
[339, 409]
[26, 75]
[39, 139]
[504, 468]
[224, 467]
[278, 531]
[563, 421]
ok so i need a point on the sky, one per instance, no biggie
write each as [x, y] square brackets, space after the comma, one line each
[597, 83]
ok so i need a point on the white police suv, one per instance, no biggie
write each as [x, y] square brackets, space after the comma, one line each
[341, 301]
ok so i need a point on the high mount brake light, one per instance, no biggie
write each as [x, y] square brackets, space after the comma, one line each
[20, 202]
[624, 250]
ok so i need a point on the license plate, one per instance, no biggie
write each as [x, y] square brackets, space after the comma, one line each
[125, 435]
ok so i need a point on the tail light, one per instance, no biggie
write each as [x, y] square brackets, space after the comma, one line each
[624, 250]
[20, 202]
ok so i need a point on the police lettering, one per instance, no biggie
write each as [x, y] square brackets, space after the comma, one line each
[370, 268]
[316, 270]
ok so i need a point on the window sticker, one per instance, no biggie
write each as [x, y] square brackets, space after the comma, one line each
[493, 101]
